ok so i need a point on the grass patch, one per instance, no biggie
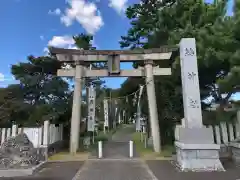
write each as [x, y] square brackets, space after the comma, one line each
[167, 151]
[68, 157]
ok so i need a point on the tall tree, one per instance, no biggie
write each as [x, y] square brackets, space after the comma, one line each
[230, 83]
[156, 23]
[12, 106]
[41, 89]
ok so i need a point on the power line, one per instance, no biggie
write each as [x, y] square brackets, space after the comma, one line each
[116, 98]
[131, 94]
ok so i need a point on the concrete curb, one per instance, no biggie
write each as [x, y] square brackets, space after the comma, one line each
[112, 159]
[21, 172]
[157, 158]
[66, 160]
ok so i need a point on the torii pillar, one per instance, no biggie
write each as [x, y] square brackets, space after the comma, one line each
[76, 110]
[152, 105]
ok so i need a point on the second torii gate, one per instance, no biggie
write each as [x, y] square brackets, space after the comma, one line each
[113, 57]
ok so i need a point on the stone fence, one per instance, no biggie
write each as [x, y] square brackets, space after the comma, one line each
[43, 136]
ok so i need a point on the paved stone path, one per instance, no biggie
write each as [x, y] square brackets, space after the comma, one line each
[60, 170]
[117, 147]
[123, 134]
[115, 170]
[116, 164]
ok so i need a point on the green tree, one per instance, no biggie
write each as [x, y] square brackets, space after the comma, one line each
[231, 82]
[12, 106]
[44, 93]
[156, 23]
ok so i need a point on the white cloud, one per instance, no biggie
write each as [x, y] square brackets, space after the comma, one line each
[3, 78]
[85, 13]
[118, 5]
[45, 51]
[61, 42]
[55, 12]
[42, 37]
[66, 42]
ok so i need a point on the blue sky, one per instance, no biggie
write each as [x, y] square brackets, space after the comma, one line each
[28, 27]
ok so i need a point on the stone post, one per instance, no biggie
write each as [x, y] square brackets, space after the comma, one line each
[3, 135]
[238, 116]
[61, 132]
[46, 133]
[194, 143]
[119, 117]
[152, 105]
[46, 138]
[76, 110]
[8, 133]
[20, 130]
[14, 130]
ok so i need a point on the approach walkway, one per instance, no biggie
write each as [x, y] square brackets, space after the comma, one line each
[114, 170]
[117, 147]
[116, 164]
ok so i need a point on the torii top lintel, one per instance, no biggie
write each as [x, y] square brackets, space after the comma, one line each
[71, 55]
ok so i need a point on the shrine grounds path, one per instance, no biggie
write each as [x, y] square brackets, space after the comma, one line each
[117, 166]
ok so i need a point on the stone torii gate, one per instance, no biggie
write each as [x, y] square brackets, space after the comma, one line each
[194, 143]
[113, 58]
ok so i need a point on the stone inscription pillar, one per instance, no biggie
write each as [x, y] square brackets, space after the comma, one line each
[194, 143]
[190, 84]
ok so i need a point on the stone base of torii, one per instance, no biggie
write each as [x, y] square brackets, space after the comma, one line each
[194, 144]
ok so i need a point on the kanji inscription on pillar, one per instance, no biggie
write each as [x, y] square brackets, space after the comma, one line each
[91, 109]
[105, 104]
[190, 83]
